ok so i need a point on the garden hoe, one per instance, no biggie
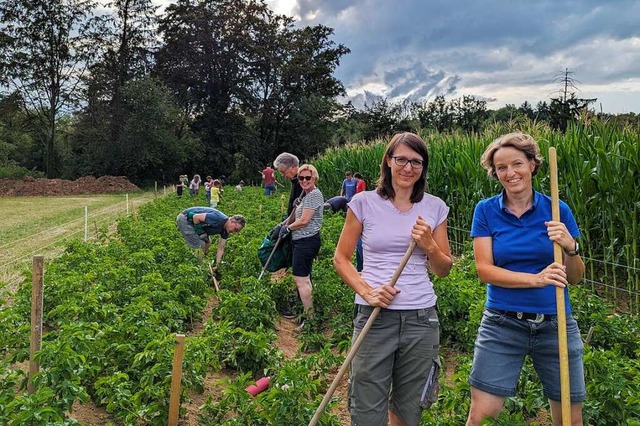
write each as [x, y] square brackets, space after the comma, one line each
[358, 342]
[560, 309]
[215, 276]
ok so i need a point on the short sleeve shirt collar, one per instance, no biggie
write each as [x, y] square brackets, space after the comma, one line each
[534, 205]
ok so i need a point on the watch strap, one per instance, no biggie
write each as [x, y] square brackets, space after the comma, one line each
[574, 252]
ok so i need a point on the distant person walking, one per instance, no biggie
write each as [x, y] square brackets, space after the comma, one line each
[216, 190]
[194, 185]
[207, 189]
[269, 179]
[180, 186]
[348, 188]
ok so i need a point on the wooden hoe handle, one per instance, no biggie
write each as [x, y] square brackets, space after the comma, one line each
[560, 309]
[358, 342]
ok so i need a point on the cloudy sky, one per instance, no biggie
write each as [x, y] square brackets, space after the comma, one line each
[507, 51]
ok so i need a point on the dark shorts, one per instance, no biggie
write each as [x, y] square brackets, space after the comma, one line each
[304, 251]
[502, 344]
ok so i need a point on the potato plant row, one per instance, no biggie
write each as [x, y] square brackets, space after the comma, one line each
[111, 310]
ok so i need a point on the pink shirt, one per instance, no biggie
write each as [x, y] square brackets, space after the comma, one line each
[386, 235]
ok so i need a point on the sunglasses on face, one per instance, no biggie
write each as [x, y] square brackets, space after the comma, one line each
[306, 177]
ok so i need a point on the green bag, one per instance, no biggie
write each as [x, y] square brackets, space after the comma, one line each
[281, 257]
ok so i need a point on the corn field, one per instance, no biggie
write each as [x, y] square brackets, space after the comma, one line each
[599, 175]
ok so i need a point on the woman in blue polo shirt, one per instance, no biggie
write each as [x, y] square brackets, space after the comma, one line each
[513, 237]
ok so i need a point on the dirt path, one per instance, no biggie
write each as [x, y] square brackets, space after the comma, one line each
[286, 341]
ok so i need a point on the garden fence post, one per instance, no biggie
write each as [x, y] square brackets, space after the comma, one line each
[36, 317]
[176, 378]
[86, 223]
[127, 204]
[155, 192]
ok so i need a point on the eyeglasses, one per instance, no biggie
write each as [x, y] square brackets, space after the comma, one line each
[402, 161]
[305, 177]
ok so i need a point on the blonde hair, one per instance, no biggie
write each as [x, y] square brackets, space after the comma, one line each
[314, 172]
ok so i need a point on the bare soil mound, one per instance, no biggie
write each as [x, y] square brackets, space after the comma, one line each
[84, 185]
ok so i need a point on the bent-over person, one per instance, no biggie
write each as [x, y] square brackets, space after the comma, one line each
[197, 223]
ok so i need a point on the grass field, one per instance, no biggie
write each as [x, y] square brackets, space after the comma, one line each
[44, 225]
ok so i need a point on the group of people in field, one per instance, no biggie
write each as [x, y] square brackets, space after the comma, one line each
[212, 188]
[513, 241]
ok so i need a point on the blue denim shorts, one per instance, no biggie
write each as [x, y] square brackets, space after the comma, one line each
[502, 344]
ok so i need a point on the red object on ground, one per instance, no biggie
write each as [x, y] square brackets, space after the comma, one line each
[261, 385]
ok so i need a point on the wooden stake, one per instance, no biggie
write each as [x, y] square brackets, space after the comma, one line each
[176, 378]
[560, 308]
[36, 317]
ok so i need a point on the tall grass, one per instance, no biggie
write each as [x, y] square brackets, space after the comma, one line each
[599, 173]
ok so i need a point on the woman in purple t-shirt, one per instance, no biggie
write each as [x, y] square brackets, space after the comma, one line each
[389, 374]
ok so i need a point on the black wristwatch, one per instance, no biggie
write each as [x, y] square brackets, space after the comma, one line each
[574, 252]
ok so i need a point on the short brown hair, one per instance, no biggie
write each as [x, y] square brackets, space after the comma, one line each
[520, 141]
[239, 219]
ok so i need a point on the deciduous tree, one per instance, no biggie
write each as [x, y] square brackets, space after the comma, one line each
[46, 46]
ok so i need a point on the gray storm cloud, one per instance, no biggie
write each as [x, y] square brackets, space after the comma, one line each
[460, 46]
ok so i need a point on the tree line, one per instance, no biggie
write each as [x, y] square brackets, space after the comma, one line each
[208, 86]
[214, 86]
